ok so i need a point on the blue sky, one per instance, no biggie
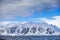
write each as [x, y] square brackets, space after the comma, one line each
[43, 14]
[30, 10]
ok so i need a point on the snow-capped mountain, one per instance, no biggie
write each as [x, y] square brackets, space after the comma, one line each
[30, 28]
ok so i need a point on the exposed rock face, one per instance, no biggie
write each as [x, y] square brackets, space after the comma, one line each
[30, 28]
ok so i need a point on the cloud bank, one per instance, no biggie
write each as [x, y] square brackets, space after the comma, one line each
[24, 8]
[54, 21]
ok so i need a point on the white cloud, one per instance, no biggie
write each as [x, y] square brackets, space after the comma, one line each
[11, 22]
[54, 21]
[24, 8]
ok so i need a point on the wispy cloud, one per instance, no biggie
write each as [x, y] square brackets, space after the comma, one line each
[25, 8]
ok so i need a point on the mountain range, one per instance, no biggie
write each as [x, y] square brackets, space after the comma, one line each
[30, 28]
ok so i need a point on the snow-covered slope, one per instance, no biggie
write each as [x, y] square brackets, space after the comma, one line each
[30, 28]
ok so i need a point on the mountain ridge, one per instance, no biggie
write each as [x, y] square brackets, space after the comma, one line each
[32, 28]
